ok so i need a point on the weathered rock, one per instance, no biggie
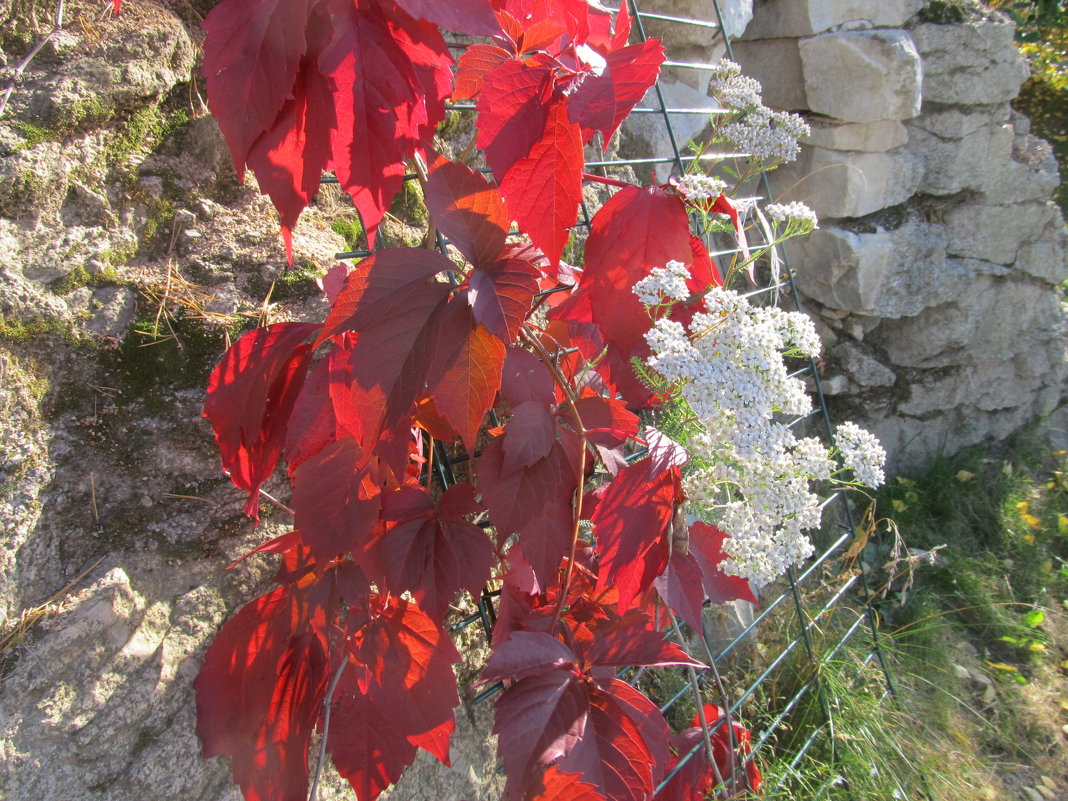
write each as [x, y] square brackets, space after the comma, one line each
[780, 18]
[839, 183]
[874, 137]
[776, 63]
[736, 15]
[1030, 174]
[995, 233]
[887, 274]
[975, 62]
[881, 67]
[953, 165]
[863, 369]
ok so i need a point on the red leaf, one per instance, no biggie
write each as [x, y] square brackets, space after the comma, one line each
[703, 273]
[252, 58]
[513, 109]
[526, 379]
[430, 549]
[621, 29]
[473, 17]
[468, 210]
[631, 640]
[539, 718]
[697, 776]
[603, 101]
[501, 295]
[630, 521]
[259, 695]
[314, 422]
[464, 372]
[543, 188]
[681, 588]
[557, 786]
[635, 231]
[706, 545]
[528, 437]
[534, 501]
[615, 753]
[250, 396]
[335, 501]
[474, 64]
[409, 672]
[525, 654]
[606, 420]
[365, 746]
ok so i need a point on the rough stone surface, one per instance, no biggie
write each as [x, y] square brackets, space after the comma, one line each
[795, 18]
[954, 165]
[849, 183]
[972, 63]
[776, 63]
[874, 137]
[881, 68]
[995, 233]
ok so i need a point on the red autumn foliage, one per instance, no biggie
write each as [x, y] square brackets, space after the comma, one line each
[418, 347]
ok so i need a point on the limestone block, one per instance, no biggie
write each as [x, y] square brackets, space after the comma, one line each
[861, 367]
[776, 63]
[995, 233]
[736, 16]
[862, 76]
[978, 318]
[972, 63]
[886, 274]
[1045, 259]
[1030, 174]
[805, 17]
[873, 137]
[839, 183]
[952, 165]
[988, 385]
[956, 123]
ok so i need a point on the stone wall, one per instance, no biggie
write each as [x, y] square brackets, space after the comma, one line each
[937, 268]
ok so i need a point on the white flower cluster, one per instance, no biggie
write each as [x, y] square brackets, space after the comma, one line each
[752, 476]
[664, 285]
[792, 213]
[694, 186]
[862, 453]
[767, 135]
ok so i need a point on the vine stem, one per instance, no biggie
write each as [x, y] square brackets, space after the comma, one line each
[314, 794]
[580, 490]
[604, 179]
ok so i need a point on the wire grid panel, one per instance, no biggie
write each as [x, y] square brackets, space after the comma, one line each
[817, 616]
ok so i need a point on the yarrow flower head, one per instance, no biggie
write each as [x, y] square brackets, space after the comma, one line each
[733, 90]
[766, 135]
[695, 186]
[792, 214]
[862, 453]
[665, 284]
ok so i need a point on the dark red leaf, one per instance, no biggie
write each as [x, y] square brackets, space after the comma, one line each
[431, 550]
[314, 422]
[680, 585]
[468, 210]
[534, 501]
[630, 523]
[525, 654]
[513, 109]
[697, 776]
[335, 500]
[366, 748]
[473, 17]
[539, 719]
[606, 420]
[259, 695]
[632, 640]
[501, 294]
[706, 545]
[602, 102]
[474, 63]
[250, 396]
[543, 188]
[528, 437]
[464, 371]
[526, 379]
[409, 672]
[613, 753]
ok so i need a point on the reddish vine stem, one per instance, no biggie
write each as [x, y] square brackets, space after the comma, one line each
[580, 490]
[604, 179]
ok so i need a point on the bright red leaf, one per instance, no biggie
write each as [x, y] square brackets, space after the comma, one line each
[606, 420]
[556, 786]
[474, 63]
[251, 393]
[602, 102]
[468, 210]
[513, 109]
[706, 545]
